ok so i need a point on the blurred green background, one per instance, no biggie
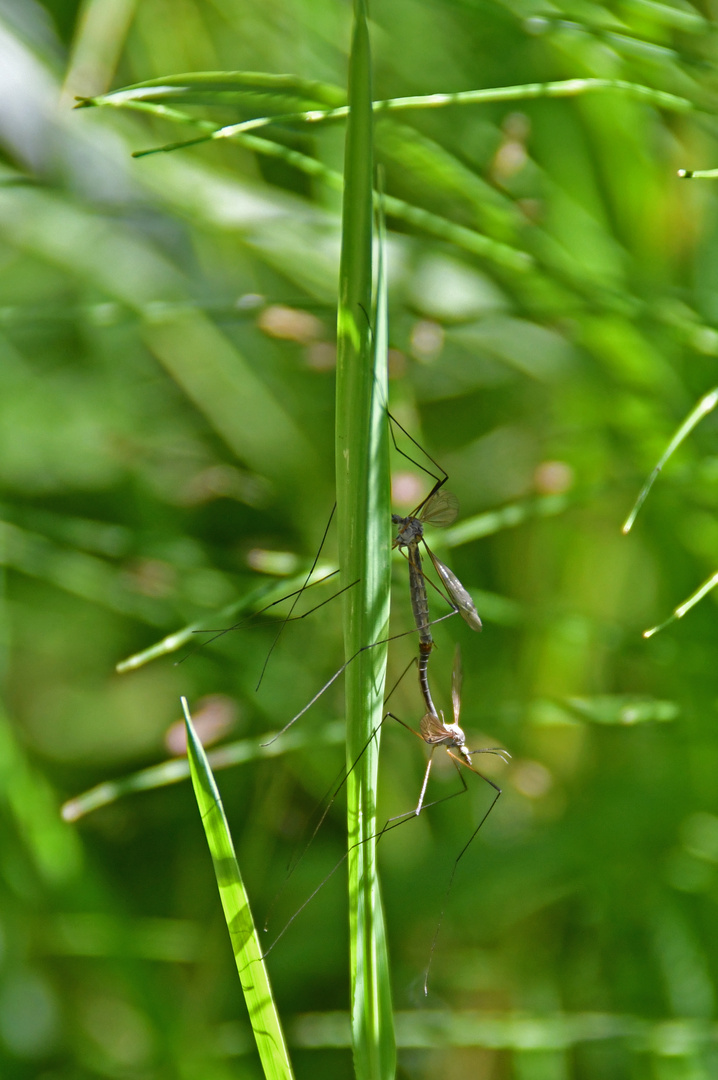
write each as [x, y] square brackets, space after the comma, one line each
[166, 449]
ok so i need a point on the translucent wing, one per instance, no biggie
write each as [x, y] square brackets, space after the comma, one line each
[456, 680]
[458, 594]
[433, 730]
[440, 509]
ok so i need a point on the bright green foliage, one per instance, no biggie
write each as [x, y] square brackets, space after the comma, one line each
[167, 462]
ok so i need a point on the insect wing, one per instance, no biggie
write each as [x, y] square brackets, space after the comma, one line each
[433, 730]
[459, 595]
[440, 509]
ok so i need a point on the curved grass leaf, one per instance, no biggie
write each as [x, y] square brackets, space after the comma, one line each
[253, 975]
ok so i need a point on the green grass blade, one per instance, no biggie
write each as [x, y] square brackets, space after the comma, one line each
[363, 511]
[253, 975]
[704, 406]
[149, 97]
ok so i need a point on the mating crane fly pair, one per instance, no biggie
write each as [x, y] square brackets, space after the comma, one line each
[440, 508]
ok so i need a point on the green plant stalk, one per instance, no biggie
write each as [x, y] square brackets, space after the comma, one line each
[247, 950]
[363, 515]
[208, 86]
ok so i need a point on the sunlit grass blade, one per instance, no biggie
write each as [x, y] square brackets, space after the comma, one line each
[704, 406]
[465, 238]
[625, 709]
[685, 607]
[363, 509]
[253, 975]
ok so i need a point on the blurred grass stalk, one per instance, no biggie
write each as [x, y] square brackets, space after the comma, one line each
[706, 405]
[362, 478]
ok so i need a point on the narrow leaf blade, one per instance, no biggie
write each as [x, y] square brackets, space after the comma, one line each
[253, 975]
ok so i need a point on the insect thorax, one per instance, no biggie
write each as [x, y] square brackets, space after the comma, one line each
[411, 530]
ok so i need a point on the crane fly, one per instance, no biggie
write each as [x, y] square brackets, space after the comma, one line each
[439, 508]
[436, 732]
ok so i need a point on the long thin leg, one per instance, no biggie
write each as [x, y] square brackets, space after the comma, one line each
[296, 599]
[332, 794]
[458, 763]
[342, 669]
[391, 823]
[422, 793]
[268, 607]
[439, 481]
[410, 815]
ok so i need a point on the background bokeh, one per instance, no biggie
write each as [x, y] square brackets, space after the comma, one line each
[166, 449]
